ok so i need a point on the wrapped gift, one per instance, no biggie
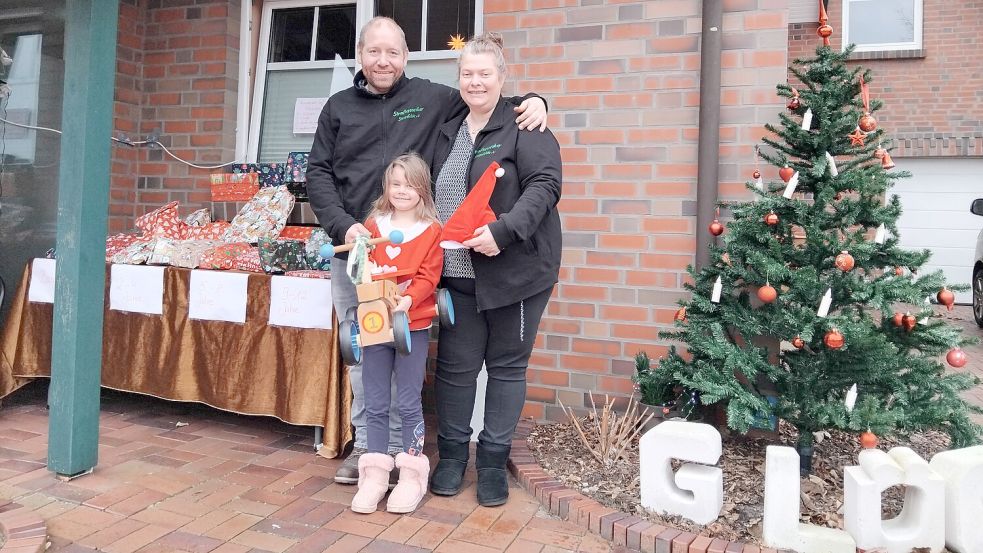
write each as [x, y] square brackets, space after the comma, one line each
[296, 170]
[312, 250]
[118, 242]
[296, 232]
[223, 256]
[212, 231]
[309, 274]
[248, 261]
[162, 222]
[136, 253]
[188, 253]
[280, 256]
[263, 217]
[269, 174]
[163, 252]
[198, 218]
[234, 187]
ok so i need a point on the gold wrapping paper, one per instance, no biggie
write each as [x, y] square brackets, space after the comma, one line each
[293, 374]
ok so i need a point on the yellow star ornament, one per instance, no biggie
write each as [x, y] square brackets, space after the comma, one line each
[456, 42]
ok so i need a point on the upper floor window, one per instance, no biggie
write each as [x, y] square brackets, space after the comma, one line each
[430, 25]
[879, 25]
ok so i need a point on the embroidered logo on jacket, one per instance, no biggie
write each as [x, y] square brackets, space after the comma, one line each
[408, 113]
[487, 150]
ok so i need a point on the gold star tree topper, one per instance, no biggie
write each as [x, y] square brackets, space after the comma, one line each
[456, 42]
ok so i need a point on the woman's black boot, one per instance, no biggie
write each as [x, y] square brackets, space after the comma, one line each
[447, 477]
[493, 478]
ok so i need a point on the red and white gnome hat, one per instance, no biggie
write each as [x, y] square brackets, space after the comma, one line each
[473, 212]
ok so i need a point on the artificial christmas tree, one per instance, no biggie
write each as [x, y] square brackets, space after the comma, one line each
[822, 243]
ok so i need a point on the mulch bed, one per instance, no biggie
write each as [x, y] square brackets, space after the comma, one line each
[561, 452]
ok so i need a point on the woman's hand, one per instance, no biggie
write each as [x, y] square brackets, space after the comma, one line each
[403, 303]
[532, 114]
[483, 242]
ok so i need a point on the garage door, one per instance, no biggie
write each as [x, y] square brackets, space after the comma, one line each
[936, 215]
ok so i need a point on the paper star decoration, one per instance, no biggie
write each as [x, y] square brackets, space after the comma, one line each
[456, 42]
[857, 137]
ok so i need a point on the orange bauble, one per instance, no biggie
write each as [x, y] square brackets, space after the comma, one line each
[680, 314]
[771, 219]
[798, 342]
[824, 31]
[909, 321]
[946, 298]
[868, 439]
[899, 271]
[786, 173]
[794, 103]
[767, 293]
[844, 261]
[716, 228]
[956, 357]
[897, 319]
[833, 339]
[756, 174]
[867, 123]
[879, 153]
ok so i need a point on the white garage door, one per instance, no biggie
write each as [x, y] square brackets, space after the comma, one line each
[936, 215]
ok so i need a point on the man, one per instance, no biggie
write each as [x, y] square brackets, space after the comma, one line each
[360, 130]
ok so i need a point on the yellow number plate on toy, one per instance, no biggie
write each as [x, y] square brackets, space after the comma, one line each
[372, 322]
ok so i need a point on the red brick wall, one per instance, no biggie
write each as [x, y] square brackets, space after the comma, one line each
[177, 76]
[623, 84]
[931, 103]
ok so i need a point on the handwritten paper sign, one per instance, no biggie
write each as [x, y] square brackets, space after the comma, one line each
[42, 289]
[137, 289]
[306, 112]
[300, 302]
[217, 296]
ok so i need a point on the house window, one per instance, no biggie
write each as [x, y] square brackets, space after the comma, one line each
[297, 44]
[879, 25]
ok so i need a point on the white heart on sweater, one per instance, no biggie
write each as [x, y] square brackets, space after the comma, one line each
[393, 251]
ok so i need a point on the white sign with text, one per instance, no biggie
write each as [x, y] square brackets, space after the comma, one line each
[300, 302]
[42, 289]
[306, 113]
[137, 289]
[218, 296]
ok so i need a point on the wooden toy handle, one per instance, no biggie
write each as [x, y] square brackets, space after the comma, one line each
[372, 242]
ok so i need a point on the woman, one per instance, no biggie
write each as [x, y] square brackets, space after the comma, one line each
[501, 284]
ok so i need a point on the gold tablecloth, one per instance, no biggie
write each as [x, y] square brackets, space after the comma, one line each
[293, 374]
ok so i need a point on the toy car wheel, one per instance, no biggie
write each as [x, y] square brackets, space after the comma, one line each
[351, 352]
[445, 308]
[401, 332]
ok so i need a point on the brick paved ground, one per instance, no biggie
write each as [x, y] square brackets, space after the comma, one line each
[232, 484]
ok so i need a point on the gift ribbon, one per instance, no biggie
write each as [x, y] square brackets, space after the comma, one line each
[865, 94]
[358, 258]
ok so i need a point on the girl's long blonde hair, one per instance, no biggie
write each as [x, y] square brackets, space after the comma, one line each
[418, 177]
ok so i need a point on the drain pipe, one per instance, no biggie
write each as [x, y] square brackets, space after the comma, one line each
[709, 141]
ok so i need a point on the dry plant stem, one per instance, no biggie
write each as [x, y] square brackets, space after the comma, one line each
[615, 434]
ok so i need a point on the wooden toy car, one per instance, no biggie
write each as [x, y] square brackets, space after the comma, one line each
[373, 320]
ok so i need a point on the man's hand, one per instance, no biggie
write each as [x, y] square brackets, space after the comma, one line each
[354, 231]
[483, 242]
[403, 303]
[532, 114]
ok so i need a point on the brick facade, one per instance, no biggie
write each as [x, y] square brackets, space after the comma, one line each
[931, 96]
[177, 76]
[622, 80]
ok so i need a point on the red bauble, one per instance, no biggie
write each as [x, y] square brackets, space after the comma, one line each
[716, 228]
[897, 319]
[771, 219]
[909, 321]
[798, 342]
[833, 339]
[786, 173]
[824, 31]
[794, 103]
[868, 439]
[844, 261]
[956, 357]
[946, 298]
[756, 174]
[867, 123]
[680, 314]
[767, 293]
[899, 271]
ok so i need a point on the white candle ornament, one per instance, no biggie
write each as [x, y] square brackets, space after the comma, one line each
[880, 235]
[718, 287]
[807, 119]
[832, 165]
[790, 187]
[825, 303]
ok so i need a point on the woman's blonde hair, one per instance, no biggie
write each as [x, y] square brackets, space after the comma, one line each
[417, 174]
[486, 43]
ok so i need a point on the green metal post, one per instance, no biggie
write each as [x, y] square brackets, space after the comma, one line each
[83, 203]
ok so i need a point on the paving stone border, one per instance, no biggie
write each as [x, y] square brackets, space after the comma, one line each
[23, 530]
[629, 531]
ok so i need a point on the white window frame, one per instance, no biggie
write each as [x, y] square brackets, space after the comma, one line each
[249, 112]
[916, 44]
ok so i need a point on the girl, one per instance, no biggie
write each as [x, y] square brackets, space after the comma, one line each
[406, 204]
